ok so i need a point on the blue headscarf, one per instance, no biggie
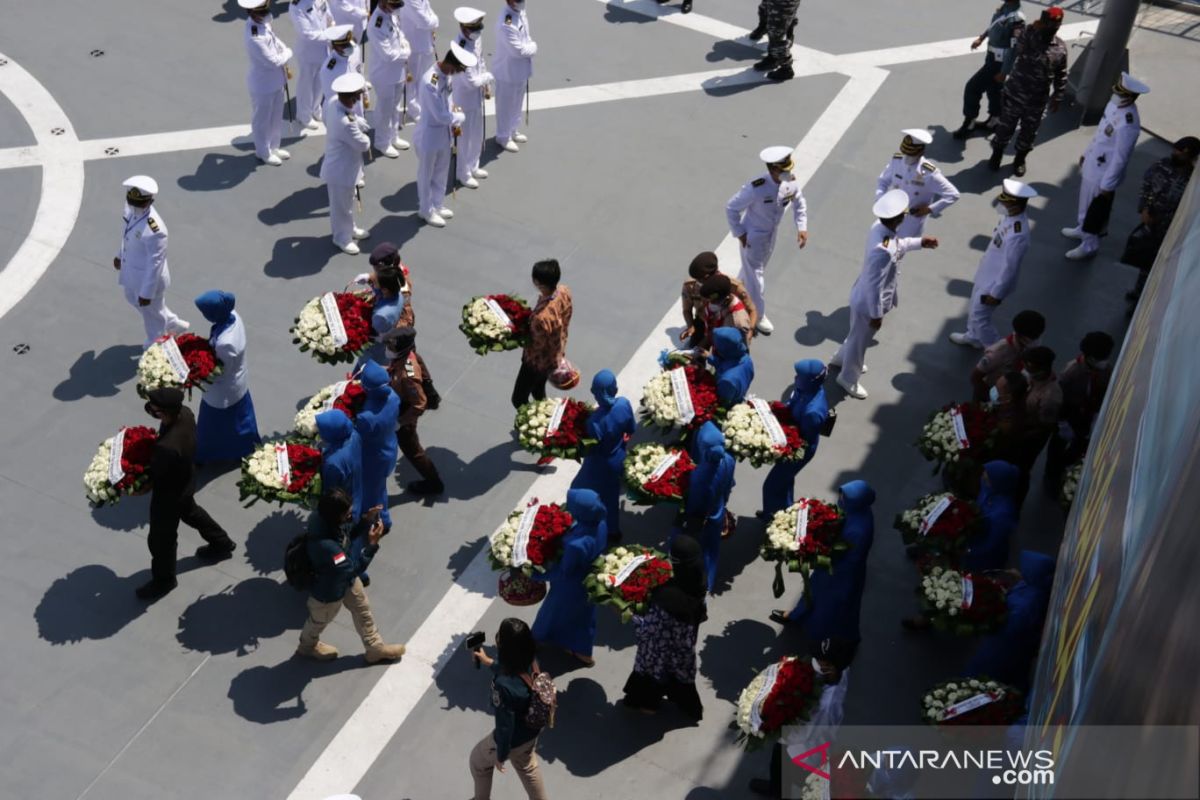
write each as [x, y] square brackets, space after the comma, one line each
[374, 378]
[585, 506]
[997, 501]
[217, 308]
[735, 370]
[810, 377]
[334, 427]
[857, 496]
[710, 443]
[604, 388]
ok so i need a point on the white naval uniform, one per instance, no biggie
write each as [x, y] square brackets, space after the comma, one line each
[337, 65]
[265, 80]
[513, 65]
[345, 142]
[432, 139]
[309, 18]
[352, 13]
[756, 211]
[924, 184]
[1105, 160]
[420, 26]
[875, 292]
[388, 52]
[144, 271]
[468, 95]
[996, 275]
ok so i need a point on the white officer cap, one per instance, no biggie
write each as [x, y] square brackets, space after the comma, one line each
[892, 204]
[1014, 188]
[335, 32]
[1132, 84]
[349, 83]
[462, 55]
[777, 154]
[141, 187]
[918, 135]
[255, 5]
[465, 15]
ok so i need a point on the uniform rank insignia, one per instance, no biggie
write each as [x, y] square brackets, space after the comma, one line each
[152, 224]
[254, 30]
[758, 182]
[433, 79]
[898, 155]
[331, 63]
[378, 21]
[1016, 227]
[929, 167]
[508, 19]
[1129, 116]
[768, 199]
[339, 558]
[886, 240]
[1108, 131]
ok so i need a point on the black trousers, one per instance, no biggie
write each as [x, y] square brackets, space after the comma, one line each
[529, 383]
[410, 445]
[983, 82]
[165, 515]
[1060, 454]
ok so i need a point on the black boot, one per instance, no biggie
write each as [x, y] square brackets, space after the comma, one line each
[1019, 163]
[791, 37]
[997, 157]
[215, 552]
[155, 588]
[766, 65]
[965, 129]
[760, 30]
[687, 7]
[427, 486]
[783, 73]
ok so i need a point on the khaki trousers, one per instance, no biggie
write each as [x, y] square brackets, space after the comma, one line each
[321, 614]
[483, 761]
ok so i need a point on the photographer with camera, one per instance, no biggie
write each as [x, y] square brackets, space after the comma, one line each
[523, 698]
[335, 582]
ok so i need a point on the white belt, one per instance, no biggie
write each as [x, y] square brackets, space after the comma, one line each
[998, 52]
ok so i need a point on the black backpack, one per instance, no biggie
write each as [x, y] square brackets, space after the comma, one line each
[297, 567]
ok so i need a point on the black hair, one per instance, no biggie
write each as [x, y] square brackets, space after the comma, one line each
[703, 265]
[1039, 359]
[333, 505]
[717, 285]
[1030, 324]
[1018, 387]
[515, 648]
[547, 273]
[1097, 344]
[389, 279]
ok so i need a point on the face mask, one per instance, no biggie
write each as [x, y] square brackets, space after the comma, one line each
[519, 5]
[1097, 364]
[714, 308]
[151, 410]
[994, 395]
[473, 35]
[910, 160]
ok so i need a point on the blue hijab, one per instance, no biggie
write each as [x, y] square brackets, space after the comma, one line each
[374, 379]
[735, 370]
[1008, 654]
[604, 388]
[808, 404]
[341, 456]
[998, 501]
[217, 308]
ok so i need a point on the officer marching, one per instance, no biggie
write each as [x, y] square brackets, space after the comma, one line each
[142, 260]
[929, 192]
[471, 88]
[754, 214]
[267, 81]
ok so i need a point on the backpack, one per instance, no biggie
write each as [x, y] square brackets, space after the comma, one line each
[543, 699]
[297, 567]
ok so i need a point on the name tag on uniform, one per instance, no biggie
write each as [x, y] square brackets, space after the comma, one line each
[1108, 131]
[768, 199]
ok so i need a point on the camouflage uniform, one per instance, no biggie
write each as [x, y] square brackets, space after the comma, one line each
[1162, 190]
[781, 22]
[1039, 74]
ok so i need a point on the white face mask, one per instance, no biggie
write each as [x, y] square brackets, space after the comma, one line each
[519, 5]
[994, 395]
[1098, 364]
[714, 308]
[910, 160]
[473, 35]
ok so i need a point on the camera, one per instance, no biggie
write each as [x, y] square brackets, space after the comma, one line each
[473, 642]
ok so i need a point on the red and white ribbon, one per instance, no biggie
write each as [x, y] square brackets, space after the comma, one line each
[498, 313]
[627, 570]
[960, 429]
[930, 519]
[683, 395]
[560, 407]
[774, 429]
[520, 550]
[175, 359]
[333, 318]
[116, 449]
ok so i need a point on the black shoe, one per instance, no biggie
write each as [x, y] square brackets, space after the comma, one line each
[366, 580]
[432, 401]
[154, 588]
[780, 617]
[1019, 168]
[781, 74]
[426, 487]
[214, 552]
[994, 161]
[765, 65]
[763, 786]
[965, 129]
[687, 7]
[757, 33]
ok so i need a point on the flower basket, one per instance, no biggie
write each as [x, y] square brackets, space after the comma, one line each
[496, 322]
[530, 540]
[784, 694]
[971, 701]
[182, 361]
[346, 396]
[518, 589]
[959, 439]
[335, 327]
[282, 471]
[554, 427]
[657, 474]
[963, 603]
[683, 396]
[939, 523]
[762, 432]
[120, 466]
[624, 577]
[805, 536]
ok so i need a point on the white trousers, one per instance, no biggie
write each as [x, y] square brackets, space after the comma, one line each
[1089, 190]
[266, 122]
[753, 275]
[433, 170]
[509, 97]
[156, 317]
[853, 352]
[470, 144]
[308, 91]
[418, 65]
[979, 320]
[912, 226]
[341, 212]
[385, 117]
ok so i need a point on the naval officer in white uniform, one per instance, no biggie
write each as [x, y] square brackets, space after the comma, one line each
[266, 79]
[471, 88]
[388, 52]
[929, 192]
[142, 260]
[345, 143]
[309, 18]
[513, 63]
[438, 125]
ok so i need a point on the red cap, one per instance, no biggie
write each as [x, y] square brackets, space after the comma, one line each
[1053, 12]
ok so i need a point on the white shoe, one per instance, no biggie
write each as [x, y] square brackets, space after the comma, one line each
[964, 339]
[361, 233]
[764, 326]
[510, 146]
[445, 213]
[838, 365]
[856, 391]
[179, 325]
[471, 183]
[520, 138]
[361, 183]
[350, 249]
[479, 173]
[435, 219]
[1080, 253]
[272, 160]
[400, 144]
[1072, 233]
[311, 125]
[391, 152]
[284, 154]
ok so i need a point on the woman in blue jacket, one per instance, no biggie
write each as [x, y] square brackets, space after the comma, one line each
[708, 493]
[341, 458]
[376, 426]
[735, 370]
[997, 500]
[1008, 654]
[809, 409]
[610, 424]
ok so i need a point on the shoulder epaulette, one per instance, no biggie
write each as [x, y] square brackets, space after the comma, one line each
[378, 21]
[1017, 226]
[152, 224]
[1129, 116]
[898, 155]
[886, 240]
[758, 182]
[433, 79]
[508, 19]
[929, 166]
[331, 64]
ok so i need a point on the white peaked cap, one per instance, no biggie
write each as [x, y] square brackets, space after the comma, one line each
[462, 55]
[335, 32]
[918, 135]
[349, 83]
[775, 154]
[892, 204]
[1018, 189]
[465, 15]
[251, 5]
[143, 183]
[1133, 84]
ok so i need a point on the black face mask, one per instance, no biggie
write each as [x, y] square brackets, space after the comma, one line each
[1048, 34]
[151, 410]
